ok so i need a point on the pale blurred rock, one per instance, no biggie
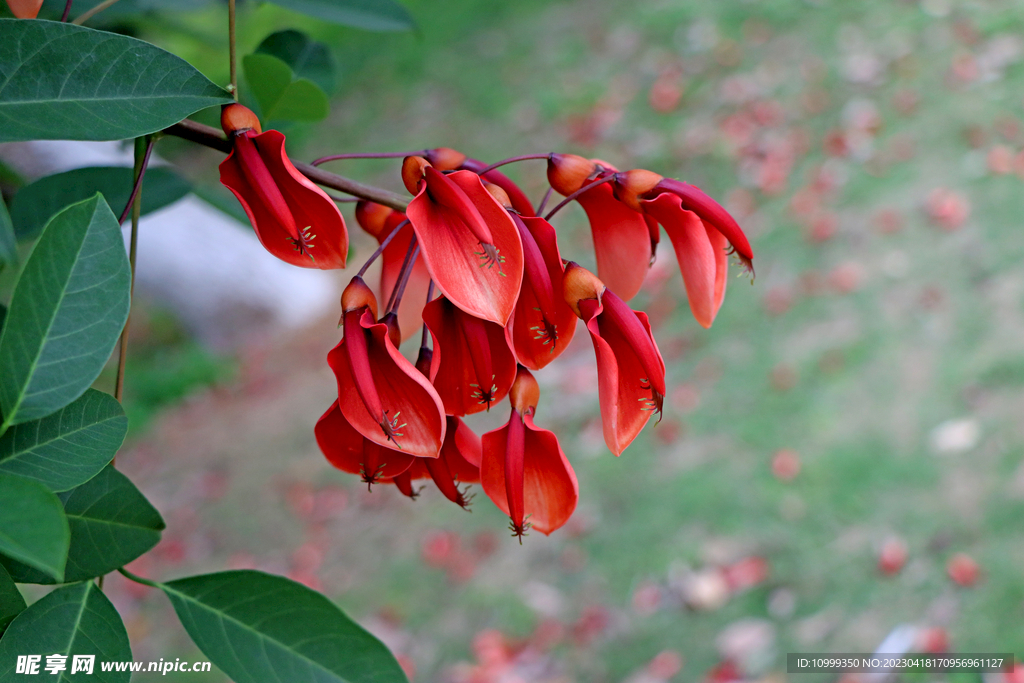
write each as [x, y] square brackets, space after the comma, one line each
[955, 436]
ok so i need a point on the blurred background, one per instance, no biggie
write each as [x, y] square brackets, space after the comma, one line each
[840, 460]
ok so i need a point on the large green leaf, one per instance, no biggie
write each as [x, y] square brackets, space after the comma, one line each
[35, 204]
[11, 600]
[66, 313]
[307, 58]
[260, 628]
[33, 528]
[72, 620]
[281, 97]
[8, 247]
[111, 522]
[59, 81]
[372, 15]
[69, 447]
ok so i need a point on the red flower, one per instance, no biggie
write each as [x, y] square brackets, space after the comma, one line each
[351, 452]
[630, 370]
[380, 221]
[472, 366]
[459, 463]
[542, 325]
[294, 219]
[700, 229]
[623, 241]
[523, 469]
[380, 393]
[470, 245]
[447, 159]
[25, 9]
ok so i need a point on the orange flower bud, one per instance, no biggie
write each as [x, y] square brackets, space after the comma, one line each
[372, 216]
[568, 172]
[358, 295]
[525, 393]
[631, 185]
[445, 158]
[499, 194]
[413, 169]
[578, 284]
[234, 118]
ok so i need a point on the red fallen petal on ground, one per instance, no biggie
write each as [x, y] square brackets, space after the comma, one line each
[520, 202]
[627, 400]
[550, 491]
[746, 573]
[543, 324]
[452, 235]
[351, 452]
[472, 366]
[700, 258]
[408, 400]
[892, 557]
[711, 212]
[622, 239]
[318, 237]
[963, 570]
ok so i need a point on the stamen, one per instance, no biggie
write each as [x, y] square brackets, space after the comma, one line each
[391, 427]
[304, 242]
[547, 333]
[489, 257]
[485, 396]
[520, 530]
[655, 402]
[370, 479]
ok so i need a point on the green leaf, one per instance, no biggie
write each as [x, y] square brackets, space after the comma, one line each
[257, 628]
[11, 600]
[69, 447]
[33, 528]
[372, 15]
[8, 246]
[112, 524]
[72, 620]
[66, 313]
[35, 204]
[59, 81]
[281, 97]
[307, 58]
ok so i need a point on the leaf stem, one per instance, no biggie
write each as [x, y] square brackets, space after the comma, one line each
[231, 49]
[214, 139]
[382, 247]
[89, 13]
[577, 193]
[138, 579]
[67, 11]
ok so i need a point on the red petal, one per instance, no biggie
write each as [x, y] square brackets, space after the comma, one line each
[697, 258]
[622, 242]
[520, 202]
[346, 449]
[536, 317]
[462, 450]
[452, 251]
[404, 393]
[472, 367]
[626, 401]
[309, 205]
[550, 491]
[711, 212]
[409, 318]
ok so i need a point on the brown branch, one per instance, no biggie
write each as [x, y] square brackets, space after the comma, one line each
[212, 138]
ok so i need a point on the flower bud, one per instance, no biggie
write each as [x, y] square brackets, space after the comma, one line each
[413, 169]
[372, 216]
[568, 172]
[358, 295]
[235, 118]
[394, 333]
[445, 158]
[525, 392]
[578, 284]
[499, 194]
[631, 185]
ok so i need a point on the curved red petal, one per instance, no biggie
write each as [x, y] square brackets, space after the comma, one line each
[348, 450]
[459, 264]
[462, 450]
[697, 258]
[550, 489]
[712, 212]
[540, 331]
[520, 202]
[622, 242]
[410, 402]
[318, 220]
[627, 401]
[472, 366]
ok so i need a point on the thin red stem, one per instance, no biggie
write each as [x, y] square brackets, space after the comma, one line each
[430, 297]
[368, 155]
[67, 10]
[403, 278]
[382, 247]
[512, 160]
[577, 193]
[138, 182]
[544, 201]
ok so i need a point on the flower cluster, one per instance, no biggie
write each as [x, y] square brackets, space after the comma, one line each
[506, 304]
